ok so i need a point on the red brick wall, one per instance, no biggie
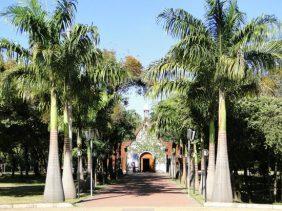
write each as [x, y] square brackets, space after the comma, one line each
[168, 148]
[124, 145]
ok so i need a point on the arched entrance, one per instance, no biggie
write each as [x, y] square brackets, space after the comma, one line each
[147, 163]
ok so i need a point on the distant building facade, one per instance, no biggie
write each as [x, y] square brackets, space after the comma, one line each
[146, 153]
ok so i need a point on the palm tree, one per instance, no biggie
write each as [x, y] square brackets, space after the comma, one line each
[78, 52]
[44, 39]
[99, 77]
[235, 51]
[201, 98]
[211, 159]
[166, 122]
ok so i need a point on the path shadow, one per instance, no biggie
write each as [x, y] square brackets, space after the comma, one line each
[141, 184]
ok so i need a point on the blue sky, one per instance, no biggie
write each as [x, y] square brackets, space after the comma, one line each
[129, 26]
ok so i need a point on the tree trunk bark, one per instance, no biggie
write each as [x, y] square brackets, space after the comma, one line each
[202, 182]
[79, 164]
[115, 161]
[280, 174]
[189, 169]
[222, 191]
[170, 167]
[13, 165]
[110, 167]
[89, 160]
[26, 159]
[36, 169]
[95, 172]
[53, 191]
[237, 186]
[211, 163]
[184, 172]
[174, 167]
[70, 132]
[68, 181]
[275, 183]
[269, 179]
[196, 177]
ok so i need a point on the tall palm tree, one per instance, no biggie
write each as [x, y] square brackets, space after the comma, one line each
[233, 49]
[44, 38]
[78, 52]
[200, 92]
[99, 77]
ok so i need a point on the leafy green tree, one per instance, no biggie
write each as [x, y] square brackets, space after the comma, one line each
[23, 129]
[78, 52]
[45, 34]
[264, 114]
[234, 50]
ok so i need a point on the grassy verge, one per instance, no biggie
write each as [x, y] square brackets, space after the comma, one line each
[21, 189]
[28, 190]
[198, 197]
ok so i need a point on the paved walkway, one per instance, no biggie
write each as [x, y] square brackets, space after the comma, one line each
[142, 190]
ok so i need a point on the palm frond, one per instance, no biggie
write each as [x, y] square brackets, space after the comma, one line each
[165, 68]
[180, 23]
[234, 18]
[166, 87]
[192, 50]
[266, 56]
[64, 14]
[232, 67]
[255, 31]
[215, 17]
[29, 18]
[13, 50]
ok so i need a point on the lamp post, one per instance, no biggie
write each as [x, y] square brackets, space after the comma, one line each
[89, 134]
[79, 153]
[91, 172]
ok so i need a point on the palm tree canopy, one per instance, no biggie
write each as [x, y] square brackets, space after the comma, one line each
[223, 43]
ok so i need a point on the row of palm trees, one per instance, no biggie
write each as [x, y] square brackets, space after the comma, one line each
[62, 62]
[216, 59]
[220, 58]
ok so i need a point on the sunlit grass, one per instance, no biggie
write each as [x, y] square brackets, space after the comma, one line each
[28, 190]
[193, 194]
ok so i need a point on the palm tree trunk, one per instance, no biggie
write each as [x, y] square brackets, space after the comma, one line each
[211, 164]
[53, 191]
[89, 160]
[68, 182]
[70, 132]
[189, 169]
[95, 172]
[196, 178]
[26, 159]
[79, 164]
[170, 167]
[275, 182]
[184, 173]
[280, 174]
[222, 191]
[202, 182]
[174, 167]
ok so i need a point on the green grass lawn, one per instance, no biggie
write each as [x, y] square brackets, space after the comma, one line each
[26, 190]
[198, 197]
[21, 189]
